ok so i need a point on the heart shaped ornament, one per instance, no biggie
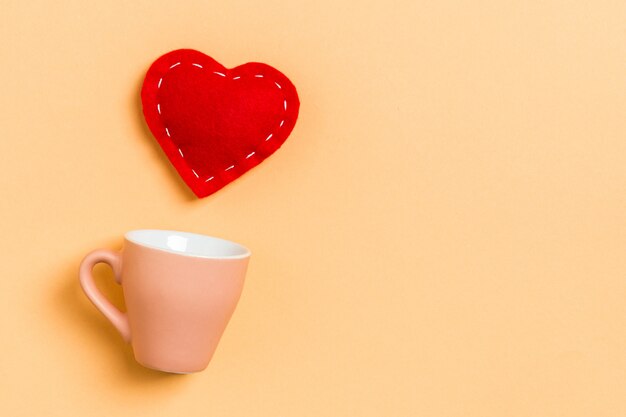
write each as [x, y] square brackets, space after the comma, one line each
[214, 123]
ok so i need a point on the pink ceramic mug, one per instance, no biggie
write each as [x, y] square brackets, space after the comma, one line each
[180, 291]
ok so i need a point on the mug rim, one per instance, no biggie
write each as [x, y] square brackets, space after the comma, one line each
[138, 237]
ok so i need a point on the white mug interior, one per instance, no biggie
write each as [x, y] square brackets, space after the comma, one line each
[189, 244]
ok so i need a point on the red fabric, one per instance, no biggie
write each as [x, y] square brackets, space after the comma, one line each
[213, 123]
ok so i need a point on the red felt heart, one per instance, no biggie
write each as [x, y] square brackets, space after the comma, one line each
[213, 123]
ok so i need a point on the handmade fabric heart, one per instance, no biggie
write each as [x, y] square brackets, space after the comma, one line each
[213, 123]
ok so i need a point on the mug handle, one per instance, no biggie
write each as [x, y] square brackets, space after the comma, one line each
[114, 260]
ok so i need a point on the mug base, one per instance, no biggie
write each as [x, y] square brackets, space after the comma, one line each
[169, 371]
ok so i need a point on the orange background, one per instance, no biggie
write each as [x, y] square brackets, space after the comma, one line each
[442, 235]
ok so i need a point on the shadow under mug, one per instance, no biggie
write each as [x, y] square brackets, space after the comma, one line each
[180, 291]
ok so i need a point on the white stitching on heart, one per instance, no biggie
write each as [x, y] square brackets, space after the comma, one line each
[234, 78]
